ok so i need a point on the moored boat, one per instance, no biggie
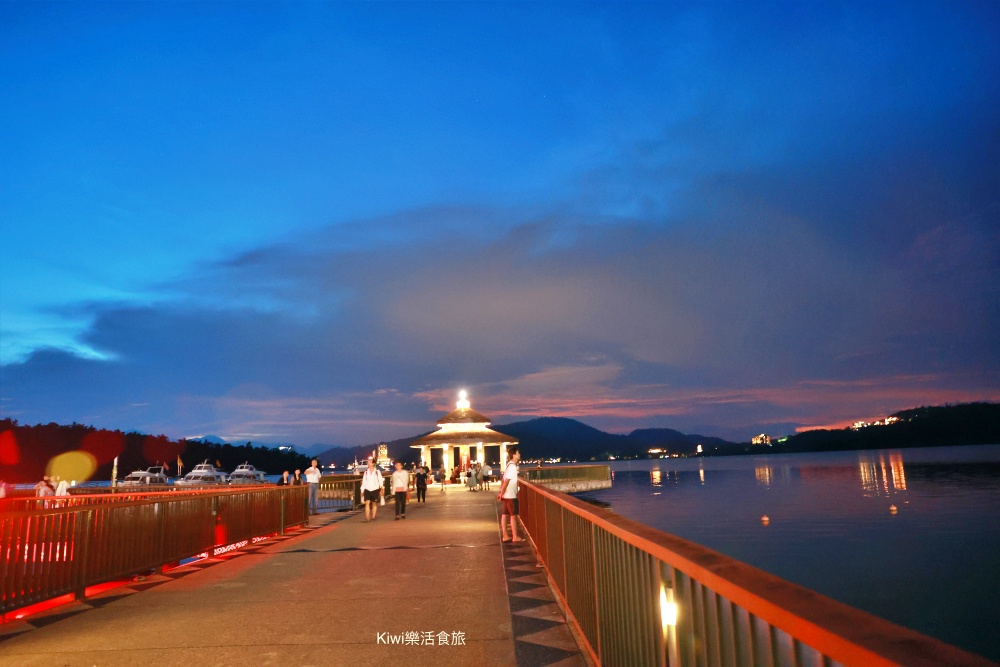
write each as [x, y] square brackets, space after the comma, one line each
[152, 476]
[247, 474]
[203, 474]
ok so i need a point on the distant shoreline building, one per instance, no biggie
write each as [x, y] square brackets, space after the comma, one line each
[762, 439]
[383, 459]
[465, 433]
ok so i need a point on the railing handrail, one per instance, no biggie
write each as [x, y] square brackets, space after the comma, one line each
[83, 499]
[845, 634]
[592, 471]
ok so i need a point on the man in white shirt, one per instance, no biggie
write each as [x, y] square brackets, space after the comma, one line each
[372, 488]
[313, 475]
[508, 496]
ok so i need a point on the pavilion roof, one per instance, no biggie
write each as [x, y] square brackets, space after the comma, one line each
[486, 436]
[464, 416]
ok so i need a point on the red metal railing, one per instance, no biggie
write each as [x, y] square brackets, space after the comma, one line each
[639, 596]
[52, 550]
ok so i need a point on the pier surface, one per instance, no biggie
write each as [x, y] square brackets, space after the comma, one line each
[340, 592]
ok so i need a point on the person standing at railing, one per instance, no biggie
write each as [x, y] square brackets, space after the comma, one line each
[508, 496]
[312, 476]
[43, 490]
[296, 479]
[372, 489]
[285, 480]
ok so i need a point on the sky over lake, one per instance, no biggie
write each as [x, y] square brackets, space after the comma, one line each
[315, 223]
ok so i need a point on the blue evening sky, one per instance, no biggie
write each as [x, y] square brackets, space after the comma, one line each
[315, 222]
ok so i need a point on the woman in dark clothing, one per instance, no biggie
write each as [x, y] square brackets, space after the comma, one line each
[297, 479]
[421, 479]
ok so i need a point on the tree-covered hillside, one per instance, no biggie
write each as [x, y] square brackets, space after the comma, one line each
[26, 451]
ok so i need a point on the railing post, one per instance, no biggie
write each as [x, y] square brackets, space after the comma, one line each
[159, 509]
[597, 596]
[82, 574]
[253, 513]
[281, 495]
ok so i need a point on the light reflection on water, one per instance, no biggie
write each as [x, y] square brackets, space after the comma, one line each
[931, 566]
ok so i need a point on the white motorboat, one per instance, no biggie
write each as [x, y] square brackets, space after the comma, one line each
[247, 474]
[152, 476]
[203, 474]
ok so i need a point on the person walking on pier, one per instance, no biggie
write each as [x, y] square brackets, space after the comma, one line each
[400, 484]
[487, 474]
[371, 490]
[420, 481]
[508, 496]
[313, 476]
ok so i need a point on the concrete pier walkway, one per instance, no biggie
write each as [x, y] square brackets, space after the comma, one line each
[435, 589]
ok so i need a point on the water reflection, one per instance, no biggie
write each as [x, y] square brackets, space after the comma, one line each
[931, 566]
[880, 477]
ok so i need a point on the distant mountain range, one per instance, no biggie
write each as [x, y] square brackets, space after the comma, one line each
[306, 450]
[553, 437]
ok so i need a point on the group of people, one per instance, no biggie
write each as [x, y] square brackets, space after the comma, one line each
[478, 477]
[312, 476]
[373, 490]
[52, 486]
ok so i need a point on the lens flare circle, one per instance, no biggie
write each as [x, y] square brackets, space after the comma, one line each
[72, 465]
[9, 452]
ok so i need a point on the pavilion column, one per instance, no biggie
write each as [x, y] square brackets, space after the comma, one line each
[464, 455]
[503, 458]
[480, 455]
[425, 459]
[446, 462]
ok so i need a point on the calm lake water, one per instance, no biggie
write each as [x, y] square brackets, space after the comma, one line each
[933, 566]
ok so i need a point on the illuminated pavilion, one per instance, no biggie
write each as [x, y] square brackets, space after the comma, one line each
[463, 428]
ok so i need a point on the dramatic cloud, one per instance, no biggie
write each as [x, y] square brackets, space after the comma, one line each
[623, 326]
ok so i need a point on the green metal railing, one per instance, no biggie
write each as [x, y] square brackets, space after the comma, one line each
[344, 491]
[566, 473]
[55, 550]
[639, 597]
[339, 492]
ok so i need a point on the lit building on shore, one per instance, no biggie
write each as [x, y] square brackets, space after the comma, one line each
[762, 439]
[383, 460]
[465, 431]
